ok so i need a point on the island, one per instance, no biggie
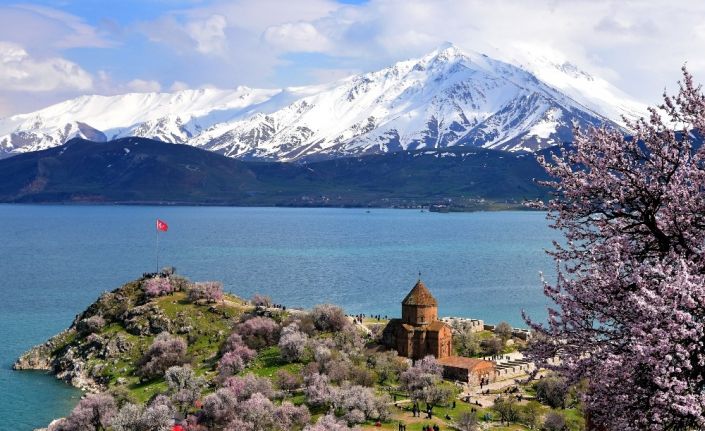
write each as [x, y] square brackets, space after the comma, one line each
[165, 353]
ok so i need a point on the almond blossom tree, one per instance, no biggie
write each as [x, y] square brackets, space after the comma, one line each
[425, 374]
[184, 385]
[292, 343]
[629, 313]
[329, 423]
[259, 332]
[206, 291]
[95, 412]
[158, 286]
[243, 387]
[236, 356]
[165, 351]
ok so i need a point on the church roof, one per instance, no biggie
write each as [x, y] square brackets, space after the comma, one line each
[420, 295]
[469, 364]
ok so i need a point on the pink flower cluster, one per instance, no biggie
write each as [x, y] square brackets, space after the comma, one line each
[157, 286]
[206, 291]
[236, 356]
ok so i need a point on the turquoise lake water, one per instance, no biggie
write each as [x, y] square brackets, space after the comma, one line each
[56, 260]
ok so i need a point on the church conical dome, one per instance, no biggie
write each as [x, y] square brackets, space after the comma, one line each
[420, 295]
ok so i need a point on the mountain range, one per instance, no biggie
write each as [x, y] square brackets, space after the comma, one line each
[138, 170]
[446, 99]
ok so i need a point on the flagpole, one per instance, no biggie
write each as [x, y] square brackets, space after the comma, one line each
[156, 228]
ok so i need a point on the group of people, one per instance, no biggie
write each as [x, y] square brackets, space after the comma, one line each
[416, 411]
[435, 427]
[484, 381]
[358, 318]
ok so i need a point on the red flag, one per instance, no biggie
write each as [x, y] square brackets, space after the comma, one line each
[162, 226]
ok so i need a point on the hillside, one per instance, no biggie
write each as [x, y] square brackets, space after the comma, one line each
[94, 357]
[446, 98]
[137, 170]
[161, 349]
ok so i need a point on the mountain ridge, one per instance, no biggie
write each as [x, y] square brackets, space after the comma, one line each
[139, 170]
[448, 97]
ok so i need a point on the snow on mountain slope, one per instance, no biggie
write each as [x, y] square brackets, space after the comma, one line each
[132, 114]
[446, 98]
[592, 91]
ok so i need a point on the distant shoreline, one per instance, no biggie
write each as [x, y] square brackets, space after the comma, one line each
[492, 207]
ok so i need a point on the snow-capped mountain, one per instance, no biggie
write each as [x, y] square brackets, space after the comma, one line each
[171, 117]
[446, 98]
[592, 91]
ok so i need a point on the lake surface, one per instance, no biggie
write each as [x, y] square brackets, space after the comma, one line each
[56, 260]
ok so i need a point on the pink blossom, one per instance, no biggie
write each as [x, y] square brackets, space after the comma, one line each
[157, 286]
[206, 291]
[259, 332]
[629, 314]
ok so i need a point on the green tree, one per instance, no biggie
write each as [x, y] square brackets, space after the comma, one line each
[465, 341]
[507, 409]
[503, 331]
[531, 414]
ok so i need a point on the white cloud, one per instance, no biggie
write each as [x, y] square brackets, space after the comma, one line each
[297, 37]
[332, 75]
[223, 42]
[41, 28]
[143, 86]
[637, 45]
[178, 86]
[21, 72]
[209, 34]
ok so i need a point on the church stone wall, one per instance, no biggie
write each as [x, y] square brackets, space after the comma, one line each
[418, 314]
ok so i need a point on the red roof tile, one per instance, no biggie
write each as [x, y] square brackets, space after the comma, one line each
[467, 363]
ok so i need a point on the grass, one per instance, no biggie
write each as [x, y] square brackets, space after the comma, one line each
[142, 392]
[269, 361]
[210, 323]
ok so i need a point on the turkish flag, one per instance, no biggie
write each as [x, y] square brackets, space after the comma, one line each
[162, 226]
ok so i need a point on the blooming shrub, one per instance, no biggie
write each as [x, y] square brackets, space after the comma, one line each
[132, 417]
[329, 318]
[292, 343]
[166, 351]
[206, 291]
[289, 416]
[157, 286]
[184, 386]
[229, 364]
[259, 332]
[90, 325]
[96, 411]
[329, 423]
[219, 408]
[243, 387]
[287, 381]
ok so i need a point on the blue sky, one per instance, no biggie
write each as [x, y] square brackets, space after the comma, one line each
[51, 50]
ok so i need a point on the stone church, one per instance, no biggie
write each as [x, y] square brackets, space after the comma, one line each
[419, 332]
